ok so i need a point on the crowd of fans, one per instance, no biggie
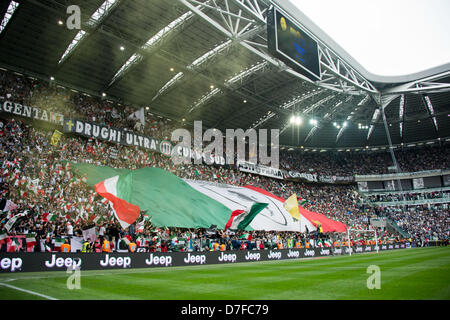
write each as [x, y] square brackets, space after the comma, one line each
[35, 179]
[424, 222]
[364, 162]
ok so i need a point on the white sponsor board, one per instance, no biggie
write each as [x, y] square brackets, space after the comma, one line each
[274, 217]
[260, 170]
[418, 183]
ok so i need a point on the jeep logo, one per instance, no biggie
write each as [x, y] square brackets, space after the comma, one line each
[224, 257]
[11, 264]
[201, 258]
[397, 246]
[293, 254]
[359, 249]
[155, 260]
[274, 255]
[123, 262]
[309, 253]
[348, 250]
[391, 246]
[337, 251]
[383, 248]
[252, 256]
[63, 262]
[368, 248]
[325, 252]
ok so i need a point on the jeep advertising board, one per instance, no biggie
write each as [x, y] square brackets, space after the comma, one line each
[33, 262]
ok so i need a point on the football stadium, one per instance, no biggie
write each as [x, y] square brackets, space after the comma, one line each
[215, 150]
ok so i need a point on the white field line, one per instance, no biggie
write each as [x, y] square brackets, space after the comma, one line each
[27, 291]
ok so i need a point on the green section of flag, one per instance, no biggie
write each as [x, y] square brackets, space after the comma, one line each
[3, 234]
[15, 242]
[245, 236]
[99, 219]
[59, 242]
[50, 217]
[170, 200]
[255, 209]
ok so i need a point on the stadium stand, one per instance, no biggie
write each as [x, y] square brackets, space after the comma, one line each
[36, 181]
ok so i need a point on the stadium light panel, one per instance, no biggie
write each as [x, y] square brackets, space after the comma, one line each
[401, 109]
[376, 115]
[133, 59]
[166, 30]
[372, 127]
[169, 83]
[364, 100]
[204, 99]
[431, 111]
[78, 38]
[155, 39]
[341, 131]
[12, 7]
[247, 72]
[202, 59]
[93, 21]
[102, 11]
[401, 112]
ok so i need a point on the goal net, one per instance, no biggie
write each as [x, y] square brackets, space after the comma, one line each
[362, 237]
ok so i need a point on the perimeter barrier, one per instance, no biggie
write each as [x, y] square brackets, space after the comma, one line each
[38, 262]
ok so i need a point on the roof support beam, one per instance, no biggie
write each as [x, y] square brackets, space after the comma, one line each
[426, 85]
[347, 79]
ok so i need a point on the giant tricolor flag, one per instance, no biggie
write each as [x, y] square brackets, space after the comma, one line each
[186, 203]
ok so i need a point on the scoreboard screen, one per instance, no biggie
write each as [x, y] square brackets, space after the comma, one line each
[289, 43]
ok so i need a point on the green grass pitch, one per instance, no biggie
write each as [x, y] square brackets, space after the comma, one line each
[421, 273]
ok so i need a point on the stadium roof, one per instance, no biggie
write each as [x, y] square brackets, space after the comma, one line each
[208, 60]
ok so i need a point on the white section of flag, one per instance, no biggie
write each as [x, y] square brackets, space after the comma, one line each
[274, 217]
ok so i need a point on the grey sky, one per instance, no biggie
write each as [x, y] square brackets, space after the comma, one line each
[387, 37]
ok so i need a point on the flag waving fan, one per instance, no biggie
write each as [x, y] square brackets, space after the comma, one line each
[116, 190]
[240, 219]
[138, 115]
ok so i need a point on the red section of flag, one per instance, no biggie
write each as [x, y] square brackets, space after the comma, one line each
[234, 214]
